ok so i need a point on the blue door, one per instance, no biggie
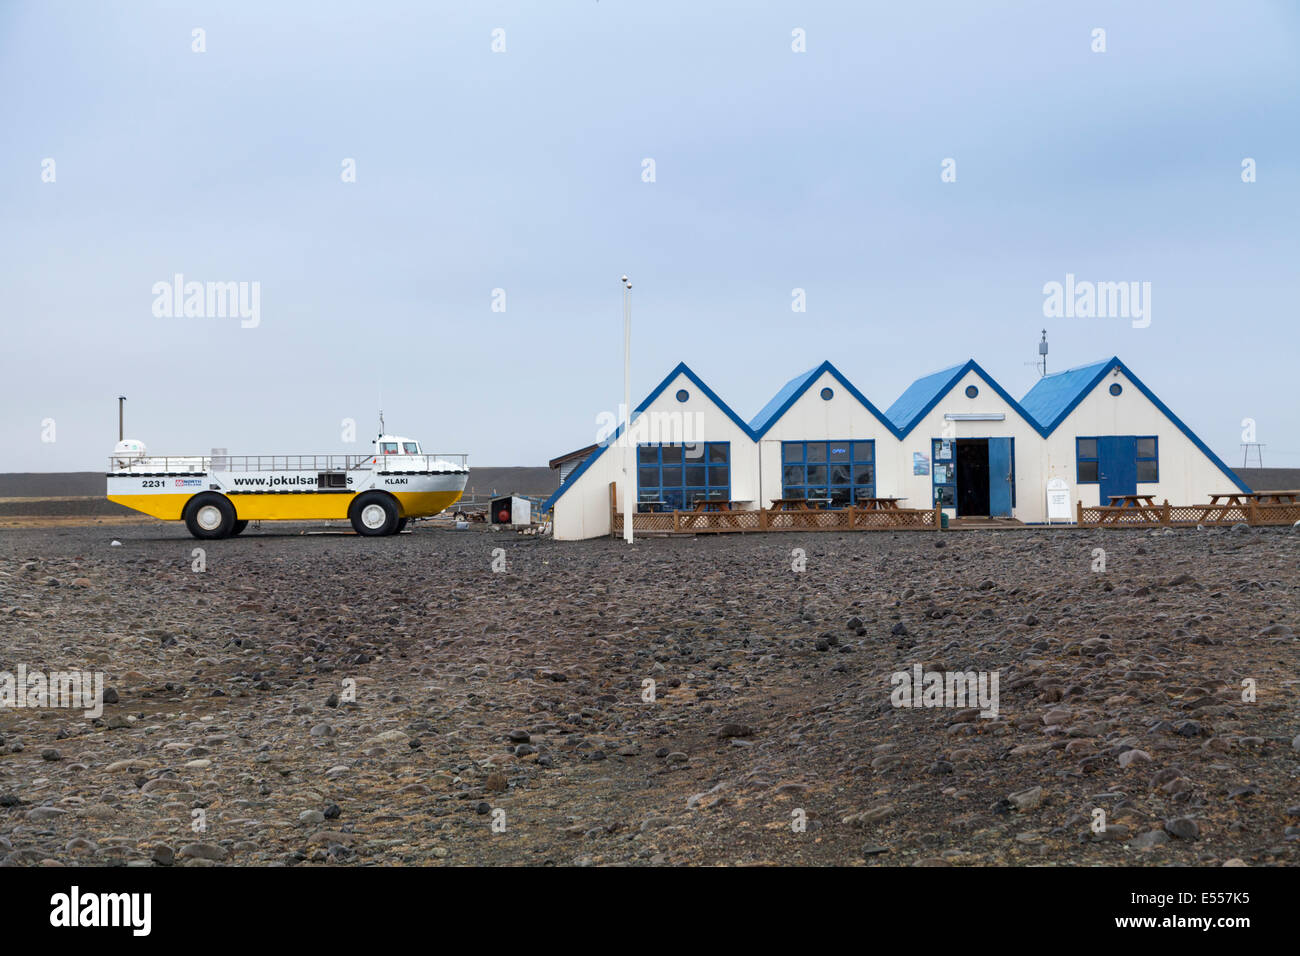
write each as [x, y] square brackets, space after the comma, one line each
[1001, 475]
[1116, 466]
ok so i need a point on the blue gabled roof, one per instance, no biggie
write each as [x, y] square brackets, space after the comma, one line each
[1044, 407]
[1062, 392]
[794, 389]
[681, 369]
[1054, 396]
[921, 396]
[782, 400]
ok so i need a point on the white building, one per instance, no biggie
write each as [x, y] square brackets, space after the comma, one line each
[953, 438]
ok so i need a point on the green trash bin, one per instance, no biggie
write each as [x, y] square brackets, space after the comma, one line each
[943, 520]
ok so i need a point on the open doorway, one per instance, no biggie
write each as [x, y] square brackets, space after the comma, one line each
[983, 473]
[972, 456]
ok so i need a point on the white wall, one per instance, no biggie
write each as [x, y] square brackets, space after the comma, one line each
[1030, 505]
[583, 510]
[812, 418]
[1187, 476]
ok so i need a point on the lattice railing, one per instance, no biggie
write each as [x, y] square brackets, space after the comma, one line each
[1187, 516]
[799, 519]
[901, 518]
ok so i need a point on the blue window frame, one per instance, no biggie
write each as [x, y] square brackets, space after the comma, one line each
[1148, 459]
[842, 471]
[1088, 463]
[672, 477]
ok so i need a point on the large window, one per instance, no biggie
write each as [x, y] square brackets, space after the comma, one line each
[674, 477]
[841, 471]
[1087, 456]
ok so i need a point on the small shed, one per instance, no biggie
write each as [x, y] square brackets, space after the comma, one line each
[511, 510]
[567, 463]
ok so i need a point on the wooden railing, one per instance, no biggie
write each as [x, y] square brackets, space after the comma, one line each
[803, 519]
[1187, 516]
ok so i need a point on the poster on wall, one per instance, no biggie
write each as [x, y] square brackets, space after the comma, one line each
[920, 464]
[945, 449]
[941, 474]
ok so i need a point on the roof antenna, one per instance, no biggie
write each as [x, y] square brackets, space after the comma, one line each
[1041, 363]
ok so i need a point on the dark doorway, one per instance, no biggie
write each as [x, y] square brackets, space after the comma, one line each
[972, 459]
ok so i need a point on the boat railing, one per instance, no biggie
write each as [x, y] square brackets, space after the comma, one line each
[182, 464]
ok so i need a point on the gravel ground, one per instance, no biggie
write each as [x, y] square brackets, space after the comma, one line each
[499, 715]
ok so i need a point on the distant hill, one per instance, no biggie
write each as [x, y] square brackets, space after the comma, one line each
[1270, 479]
[81, 493]
[52, 484]
[78, 484]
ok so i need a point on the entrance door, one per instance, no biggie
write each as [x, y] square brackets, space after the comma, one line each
[1001, 476]
[972, 469]
[1116, 466]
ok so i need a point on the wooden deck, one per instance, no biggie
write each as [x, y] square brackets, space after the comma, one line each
[1257, 509]
[785, 517]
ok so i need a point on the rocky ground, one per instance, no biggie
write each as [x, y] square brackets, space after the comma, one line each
[499, 715]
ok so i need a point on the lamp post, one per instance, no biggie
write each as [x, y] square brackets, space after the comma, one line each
[121, 399]
[629, 477]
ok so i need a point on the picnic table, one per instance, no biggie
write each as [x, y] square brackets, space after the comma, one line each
[798, 504]
[1241, 498]
[878, 504]
[712, 504]
[1132, 501]
[716, 505]
[1120, 505]
[1221, 504]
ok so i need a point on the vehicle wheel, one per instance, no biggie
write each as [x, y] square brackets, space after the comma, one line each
[210, 516]
[238, 528]
[401, 525]
[374, 513]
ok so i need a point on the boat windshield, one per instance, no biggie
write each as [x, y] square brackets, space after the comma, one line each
[388, 448]
[411, 447]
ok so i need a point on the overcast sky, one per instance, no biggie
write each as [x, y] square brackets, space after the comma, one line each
[524, 171]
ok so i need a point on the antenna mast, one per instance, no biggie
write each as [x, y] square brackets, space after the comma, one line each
[1040, 364]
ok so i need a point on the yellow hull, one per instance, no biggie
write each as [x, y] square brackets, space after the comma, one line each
[292, 507]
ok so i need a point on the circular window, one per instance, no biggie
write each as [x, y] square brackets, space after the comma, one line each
[827, 394]
[971, 391]
[682, 395]
[1116, 388]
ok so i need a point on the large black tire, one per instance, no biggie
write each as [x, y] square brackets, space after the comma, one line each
[374, 513]
[210, 515]
[238, 528]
